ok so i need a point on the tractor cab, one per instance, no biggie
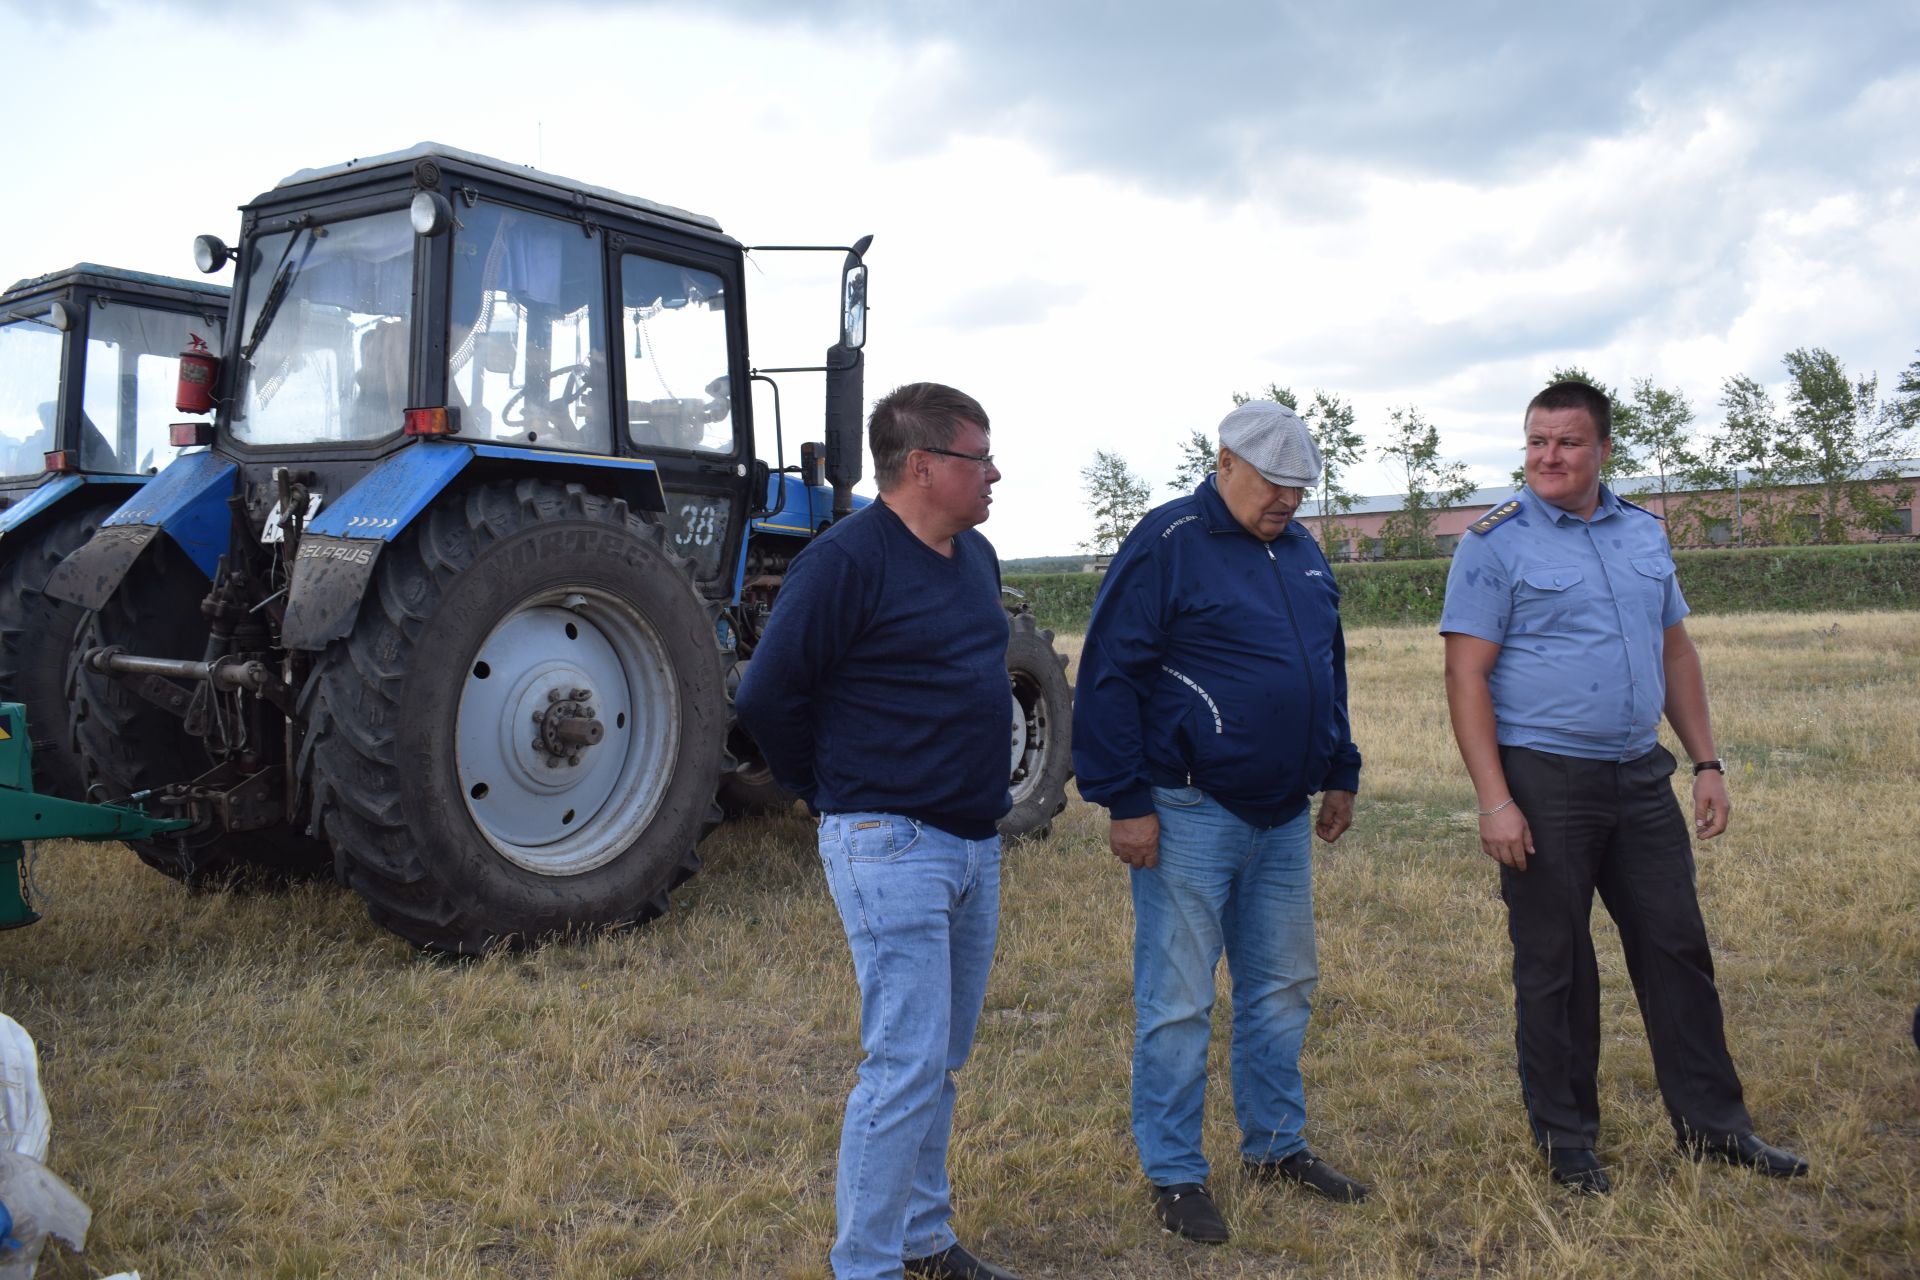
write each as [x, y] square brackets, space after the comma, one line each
[87, 372]
[433, 297]
[89, 360]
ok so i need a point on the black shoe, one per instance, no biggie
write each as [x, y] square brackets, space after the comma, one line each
[1748, 1151]
[955, 1263]
[1187, 1210]
[1311, 1172]
[1578, 1170]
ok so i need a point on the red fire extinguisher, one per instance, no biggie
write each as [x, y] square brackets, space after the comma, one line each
[199, 368]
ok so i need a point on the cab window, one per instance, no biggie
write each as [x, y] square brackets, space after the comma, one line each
[674, 341]
[527, 362]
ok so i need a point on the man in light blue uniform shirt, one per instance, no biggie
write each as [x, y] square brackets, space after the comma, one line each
[1565, 643]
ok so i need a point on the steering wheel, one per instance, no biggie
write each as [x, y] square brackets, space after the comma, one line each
[567, 409]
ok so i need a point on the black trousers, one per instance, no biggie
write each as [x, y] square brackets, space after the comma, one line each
[1616, 828]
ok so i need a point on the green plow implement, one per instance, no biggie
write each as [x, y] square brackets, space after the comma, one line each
[25, 816]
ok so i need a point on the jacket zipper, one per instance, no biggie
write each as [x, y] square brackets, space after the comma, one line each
[1299, 642]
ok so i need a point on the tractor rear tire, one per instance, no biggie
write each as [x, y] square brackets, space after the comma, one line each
[127, 744]
[1042, 730]
[421, 755]
[36, 639]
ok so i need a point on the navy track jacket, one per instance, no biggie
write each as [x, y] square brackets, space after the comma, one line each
[1214, 660]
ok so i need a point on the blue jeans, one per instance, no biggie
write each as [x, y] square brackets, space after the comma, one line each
[921, 910]
[1220, 885]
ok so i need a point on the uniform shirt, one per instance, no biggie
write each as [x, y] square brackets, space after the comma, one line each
[1214, 660]
[881, 682]
[1580, 610]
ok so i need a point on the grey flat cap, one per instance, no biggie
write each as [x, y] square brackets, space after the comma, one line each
[1273, 440]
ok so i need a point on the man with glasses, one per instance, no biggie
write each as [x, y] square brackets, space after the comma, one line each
[1212, 705]
[879, 696]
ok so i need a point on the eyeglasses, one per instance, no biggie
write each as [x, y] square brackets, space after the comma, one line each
[984, 459]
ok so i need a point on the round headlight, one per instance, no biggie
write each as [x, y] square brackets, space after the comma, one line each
[210, 253]
[430, 213]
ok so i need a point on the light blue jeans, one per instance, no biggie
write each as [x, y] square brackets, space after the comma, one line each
[921, 910]
[1220, 886]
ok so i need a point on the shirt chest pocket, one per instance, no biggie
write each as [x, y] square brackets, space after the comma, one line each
[1551, 583]
[1658, 567]
[1651, 575]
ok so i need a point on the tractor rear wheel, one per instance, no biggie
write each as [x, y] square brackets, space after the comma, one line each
[522, 735]
[36, 639]
[1042, 755]
[127, 744]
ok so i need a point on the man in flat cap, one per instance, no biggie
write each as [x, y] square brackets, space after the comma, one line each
[1212, 704]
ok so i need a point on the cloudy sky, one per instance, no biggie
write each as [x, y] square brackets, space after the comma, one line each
[1100, 219]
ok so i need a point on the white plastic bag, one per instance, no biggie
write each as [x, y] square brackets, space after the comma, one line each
[40, 1204]
[24, 1121]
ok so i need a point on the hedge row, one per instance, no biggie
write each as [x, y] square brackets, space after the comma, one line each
[1797, 579]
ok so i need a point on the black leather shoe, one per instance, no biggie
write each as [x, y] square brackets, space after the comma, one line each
[1747, 1151]
[1311, 1172]
[1578, 1170]
[1187, 1210]
[956, 1263]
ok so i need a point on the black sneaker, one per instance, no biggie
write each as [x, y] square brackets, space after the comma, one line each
[1187, 1210]
[1311, 1172]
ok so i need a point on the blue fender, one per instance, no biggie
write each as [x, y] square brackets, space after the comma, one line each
[55, 492]
[340, 548]
[188, 501]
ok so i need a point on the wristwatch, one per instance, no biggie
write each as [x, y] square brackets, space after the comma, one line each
[1701, 766]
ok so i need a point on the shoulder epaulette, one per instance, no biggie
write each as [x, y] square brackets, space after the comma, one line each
[1637, 507]
[1496, 517]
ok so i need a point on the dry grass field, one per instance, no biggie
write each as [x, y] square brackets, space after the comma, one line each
[269, 1086]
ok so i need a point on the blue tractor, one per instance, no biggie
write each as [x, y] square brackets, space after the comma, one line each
[451, 601]
[88, 366]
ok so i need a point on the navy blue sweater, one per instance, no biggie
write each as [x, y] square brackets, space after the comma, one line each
[881, 682]
[1214, 660]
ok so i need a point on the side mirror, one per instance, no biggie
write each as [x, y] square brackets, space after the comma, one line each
[853, 296]
[853, 308]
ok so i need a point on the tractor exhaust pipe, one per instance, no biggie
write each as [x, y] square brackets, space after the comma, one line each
[846, 397]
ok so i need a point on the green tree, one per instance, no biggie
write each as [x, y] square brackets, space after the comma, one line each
[1197, 459]
[1116, 496]
[1845, 440]
[1663, 418]
[1274, 392]
[1743, 479]
[1431, 486]
[1905, 405]
[1330, 418]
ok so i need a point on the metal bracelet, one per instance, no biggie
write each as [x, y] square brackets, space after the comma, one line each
[1488, 813]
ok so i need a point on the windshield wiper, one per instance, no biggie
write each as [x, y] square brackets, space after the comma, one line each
[42, 321]
[278, 290]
